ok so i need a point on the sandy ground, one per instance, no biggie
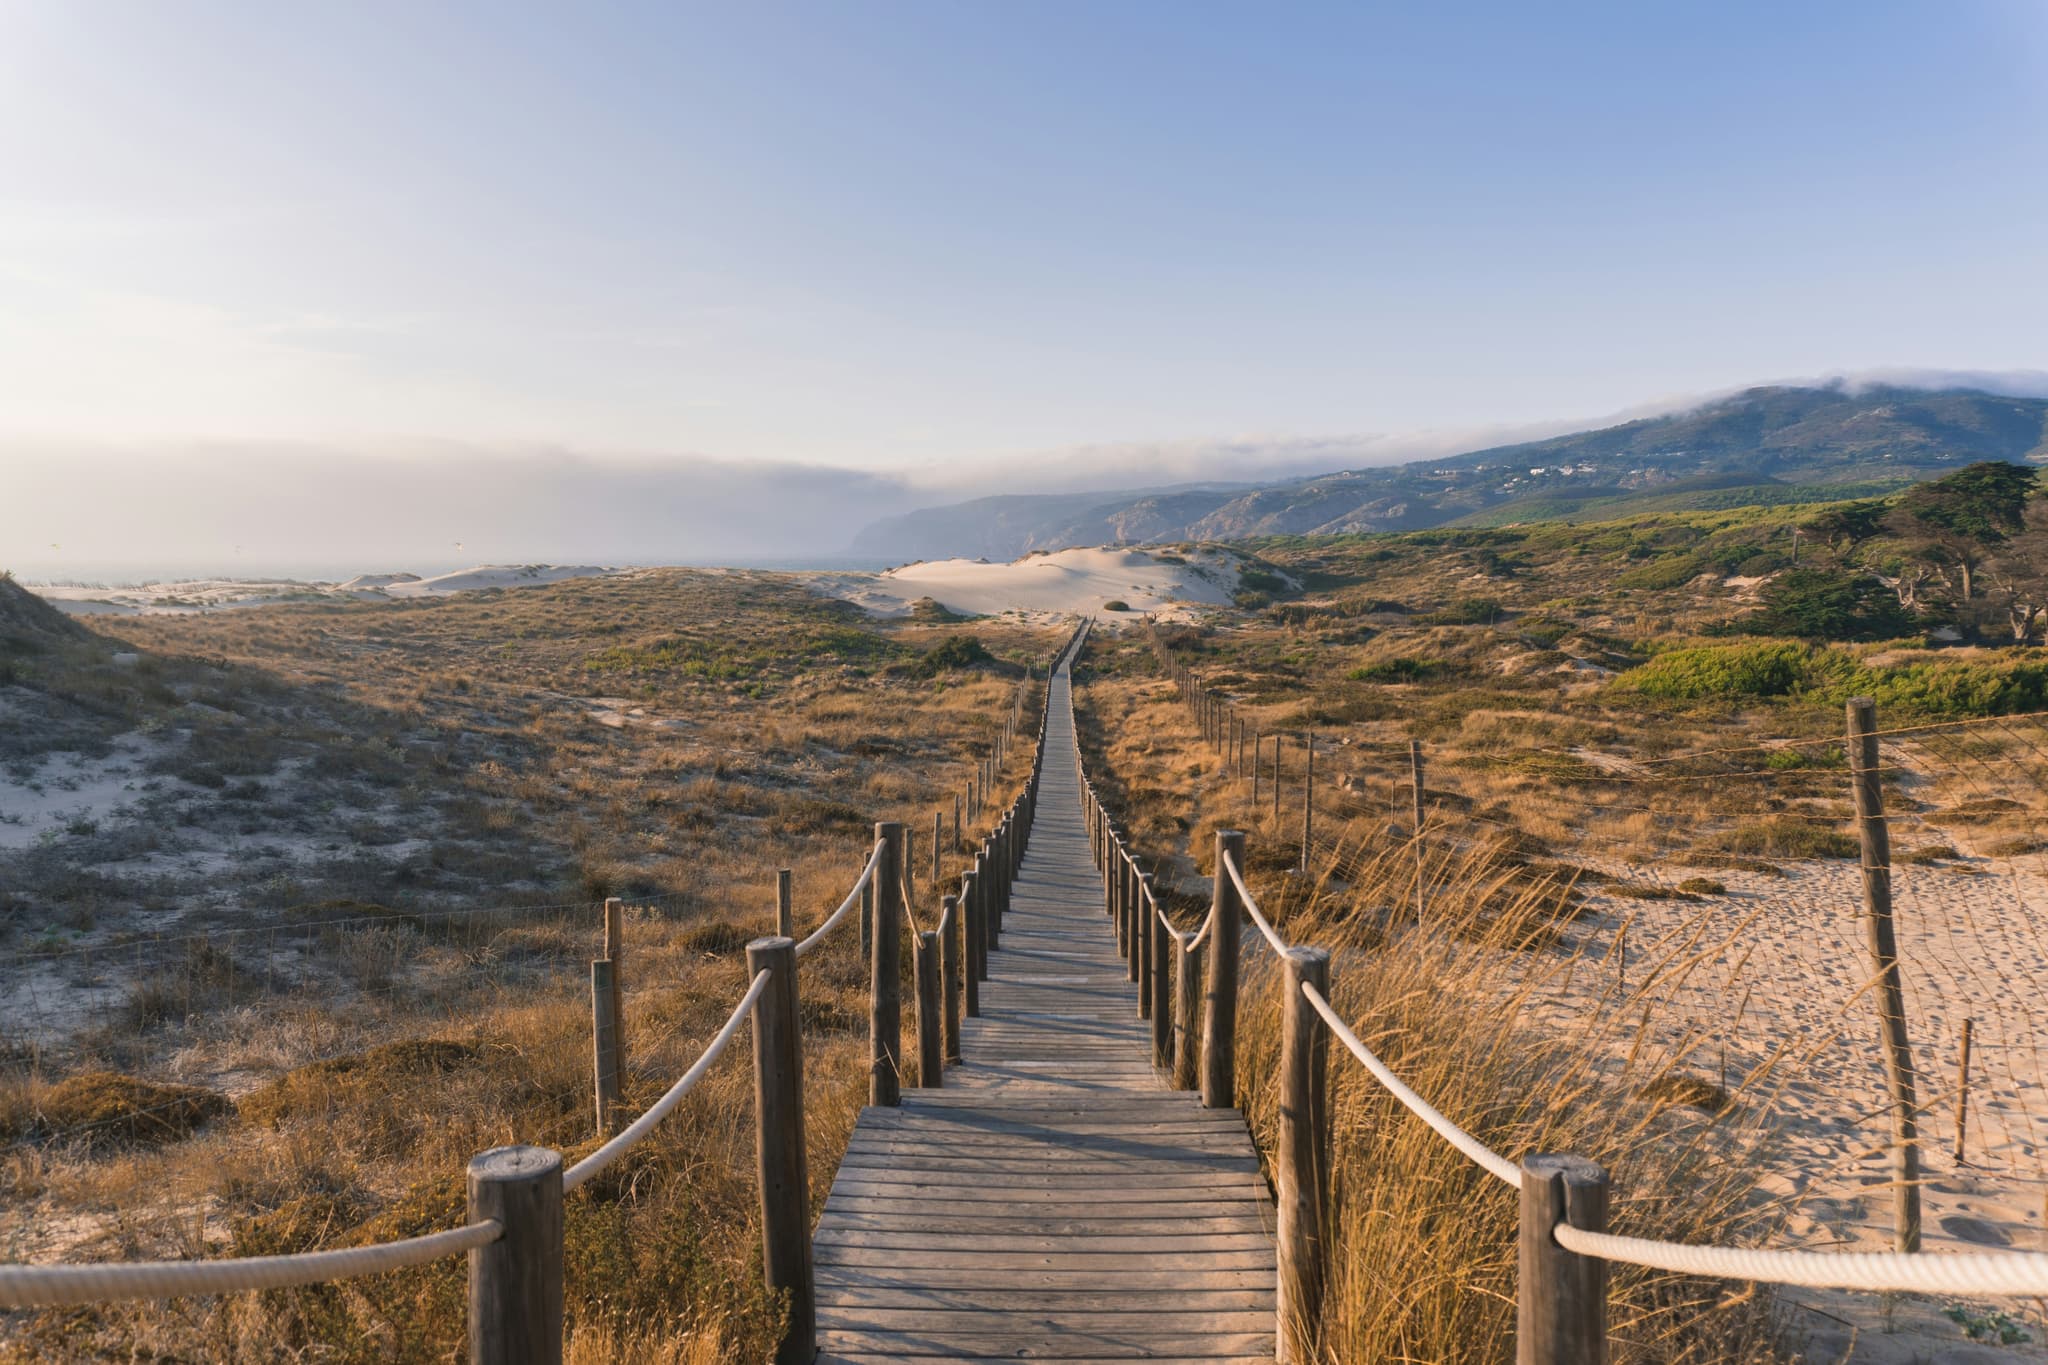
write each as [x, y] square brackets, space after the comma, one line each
[1065, 583]
[216, 594]
[1779, 966]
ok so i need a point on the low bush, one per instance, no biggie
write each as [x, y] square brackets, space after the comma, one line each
[105, 1106]
[1787, 668]
[1784, 836]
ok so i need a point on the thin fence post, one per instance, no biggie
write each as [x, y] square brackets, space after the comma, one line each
[1162, 983]
[930, 1034]
[1219, 1020]
[515, 1283]
[1415, 772]
[1308, 795]
[1884, 951]
[1187, 1004]
[604, 1044]
[779, 1147]
[1561, 1299]
[985, 904]
[785, 914]
[956, 822]
[1258, 743]
[1303, 1156]
[952, 952]
[1276, 776]
[1962, 1092]
[885, 1003]
[938, 836]
[615, 954]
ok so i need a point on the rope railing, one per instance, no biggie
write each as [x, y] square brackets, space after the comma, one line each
[639, 1128]
[1564, 1240]
[59, 1286]
[867, 874]
[515, 1193]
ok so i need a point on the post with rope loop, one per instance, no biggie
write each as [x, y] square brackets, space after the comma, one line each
[1561, 1298]
[1219, 1019]
[930, 1036]
[779, 1145]
[885, 1000]
[1162, 1002]
[515, 1282]
[952, 953]
[1187, 1005]
[1303, 1152]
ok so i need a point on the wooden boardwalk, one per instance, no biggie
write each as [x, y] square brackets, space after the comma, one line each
[1055, 1200]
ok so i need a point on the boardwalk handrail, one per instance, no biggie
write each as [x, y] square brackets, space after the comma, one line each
[1561, 1299]
[867, 875]
[58, 1286]
[639, 1128]
[515, 1246]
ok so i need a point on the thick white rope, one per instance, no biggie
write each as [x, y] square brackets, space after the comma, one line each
[1252, 907]
[640, 1127]
[852, 899]
[1472, 1147]
[2016, 1273]
[53, 1286]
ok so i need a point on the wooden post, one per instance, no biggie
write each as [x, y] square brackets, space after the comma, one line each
[1561, 1303]
[1187, 1004]
[885, 1003]
[956, 822]
[938, 836]
[1157, 959]
[977, 941]
[1415, 772]
[1884, 952]
[785, 914]
[604, 1043]
[1303, 1156]
[952, 953]
[1258, 743]
[1962, 1092]
[1276, 777]
[615, 954]
[930, 1033]
[985, 888]
[1308, 795]
[1141, 940]
[515, 1283]
[779, 1148]
[1219, 1020]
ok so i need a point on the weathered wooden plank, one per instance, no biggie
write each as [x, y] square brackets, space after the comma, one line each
[1056, 1200]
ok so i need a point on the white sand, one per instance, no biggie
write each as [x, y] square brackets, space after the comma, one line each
[1064, 583]
[1781, 963]
[219, 594]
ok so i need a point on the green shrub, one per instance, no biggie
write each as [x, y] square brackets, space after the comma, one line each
[962, 651]
[1776, 668]
[1116, 604]
[1396, 671]
[1785, 836]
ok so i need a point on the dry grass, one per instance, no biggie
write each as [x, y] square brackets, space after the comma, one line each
[673, 738]
[1426, 1259]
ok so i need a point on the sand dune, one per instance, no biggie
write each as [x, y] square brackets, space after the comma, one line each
[218, 594]
[1068, 582]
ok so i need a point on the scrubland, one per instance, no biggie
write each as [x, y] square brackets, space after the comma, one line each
[333, 938]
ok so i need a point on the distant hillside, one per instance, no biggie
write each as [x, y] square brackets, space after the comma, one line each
[1763, 446]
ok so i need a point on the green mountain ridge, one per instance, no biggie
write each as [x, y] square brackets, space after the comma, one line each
[1765, 446]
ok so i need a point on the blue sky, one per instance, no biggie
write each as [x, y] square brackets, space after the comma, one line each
[904, 236]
